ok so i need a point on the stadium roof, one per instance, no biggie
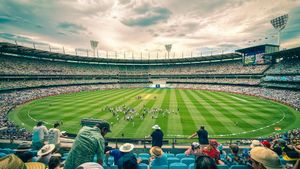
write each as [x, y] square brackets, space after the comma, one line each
[255, 48]
[286, 53]
[31, 52]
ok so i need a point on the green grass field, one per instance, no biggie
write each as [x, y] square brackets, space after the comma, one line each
[217, 111]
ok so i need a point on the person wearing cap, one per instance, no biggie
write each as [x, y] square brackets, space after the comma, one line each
[88, 142]
[128, 159]
[212, 151]
[202, 135]
[39, 133]
[45, 153]
[265, 158]
[54, 135]
[157, 136]
[194, 149]
[158, 157]
[266, 143]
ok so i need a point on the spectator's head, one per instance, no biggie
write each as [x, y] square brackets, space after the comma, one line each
[104, 127]
[265, 143]
[126, 148]
[205, 162]
[56, 125]
[39, 123]
[234, 148]
[156, 127]
[46, 149]
[90, 165]
[195, 145]
[255, 143]
[156, 151]
[202, 127]
[130, 163]
[54, 162]
[213, 143]
[264, 158]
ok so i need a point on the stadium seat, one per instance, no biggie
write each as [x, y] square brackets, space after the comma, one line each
[170, 155]
[173, 160]
[113, 167]
[2, 155]
[187, 160]
[146, 155]
[145, 160]
[181, 155]
[7, 151]
[239, 167]
[223, 167]
[283, 162]
[159, 167]
[178, 166]
[143, 166]
[192, 166]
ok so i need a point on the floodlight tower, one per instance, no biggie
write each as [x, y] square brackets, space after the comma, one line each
[94, 45]
[279, 24]
[168, 48]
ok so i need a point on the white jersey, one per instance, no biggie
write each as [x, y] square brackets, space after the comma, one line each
[39, 133]
[54, 136]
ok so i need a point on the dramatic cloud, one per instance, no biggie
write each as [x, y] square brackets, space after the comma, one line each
[141, 25]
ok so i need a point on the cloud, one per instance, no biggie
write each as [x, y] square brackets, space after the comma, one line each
[71, 27]
[147, 15]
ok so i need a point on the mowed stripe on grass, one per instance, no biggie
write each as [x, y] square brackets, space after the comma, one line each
[218, 111]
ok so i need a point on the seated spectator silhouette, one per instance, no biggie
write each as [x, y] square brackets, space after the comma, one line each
[194, 149]
[265, 158]
[205, 162]
[128, 160]
[157, 157]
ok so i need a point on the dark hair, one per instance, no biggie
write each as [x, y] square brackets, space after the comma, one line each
[234, 148]
[53, 162]
[56, 124]
[201, 127]
[39, 123]
[25, 156]
[205, 162]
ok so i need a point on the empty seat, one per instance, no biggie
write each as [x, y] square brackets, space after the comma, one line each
[223, 167]
[180, 155]
[145, 155]
[187, 160]
[173, 160]
[178, 166]
[145, 160]
[113, 167]
[170, 155]
[159, 167]
[239, 167]
[143, 166]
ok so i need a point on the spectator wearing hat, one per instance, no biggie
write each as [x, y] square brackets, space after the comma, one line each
[54, 135]
[265, 158]
[118, 153]
[128, 159]
[39, 134]
[89, 141]
[212, 151]
[255, 143]
[157, 136]
[157, 157]
[45, 153]
[202, 135]
[90, 165]
[194, 149]
[266, 143]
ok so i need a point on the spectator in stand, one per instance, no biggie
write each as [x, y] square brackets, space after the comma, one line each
[265, 158]
[157, 136]
[194, 149]
[202, 136]
[45, 153]
[234, 158]
[89, 141]
[54, 135]
[54, 162]
[39, 134]
[118, 153]
[212, 151]
[128, 159]
[158, 157]
[266, 143]
[205, 162]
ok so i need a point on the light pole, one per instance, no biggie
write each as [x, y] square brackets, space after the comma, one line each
[94, 45]
[279, 24]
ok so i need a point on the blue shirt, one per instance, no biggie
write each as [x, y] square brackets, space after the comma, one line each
[163, 160]
[117, 154]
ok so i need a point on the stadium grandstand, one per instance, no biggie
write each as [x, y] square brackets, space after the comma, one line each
[233, 107]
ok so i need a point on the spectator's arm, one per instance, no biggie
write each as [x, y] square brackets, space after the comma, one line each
[192, 136]
[297, 164]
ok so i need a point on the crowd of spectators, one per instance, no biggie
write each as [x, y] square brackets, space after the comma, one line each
[285, 66]
[243, 81]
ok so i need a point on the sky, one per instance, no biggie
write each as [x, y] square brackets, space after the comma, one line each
[124, 26]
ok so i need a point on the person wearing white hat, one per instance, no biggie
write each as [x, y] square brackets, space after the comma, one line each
[128, 159]
[45, 153]
[157, 136]
[256, 143]
[265, 158]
